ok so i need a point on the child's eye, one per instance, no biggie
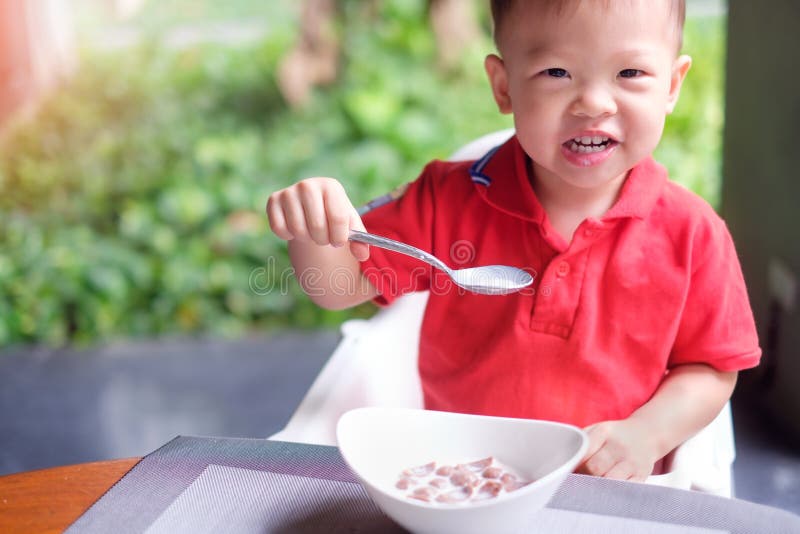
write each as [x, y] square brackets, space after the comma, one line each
[556, 73]
[630, 73]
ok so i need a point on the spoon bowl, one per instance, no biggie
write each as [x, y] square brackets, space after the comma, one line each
[486, 280]
[492, 279]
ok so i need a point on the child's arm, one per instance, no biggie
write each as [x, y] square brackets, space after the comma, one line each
[688, 399]
[315, 216]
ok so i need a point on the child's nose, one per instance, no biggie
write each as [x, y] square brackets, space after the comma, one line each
[593, 101]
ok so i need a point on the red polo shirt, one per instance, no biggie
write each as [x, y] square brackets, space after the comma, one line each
[653, 284]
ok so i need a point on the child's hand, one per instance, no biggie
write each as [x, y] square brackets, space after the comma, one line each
[618, 449]
[316, 210]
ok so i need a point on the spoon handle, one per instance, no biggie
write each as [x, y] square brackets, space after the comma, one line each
[397, 246]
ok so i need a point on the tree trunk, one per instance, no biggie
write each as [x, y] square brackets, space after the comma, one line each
[455, 28]
[315, 58]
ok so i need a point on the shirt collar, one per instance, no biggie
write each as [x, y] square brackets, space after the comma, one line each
[501, 177]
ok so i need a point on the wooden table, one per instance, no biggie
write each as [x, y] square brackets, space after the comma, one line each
[49, 500]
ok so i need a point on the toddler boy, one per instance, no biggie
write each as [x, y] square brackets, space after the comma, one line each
[638, 320]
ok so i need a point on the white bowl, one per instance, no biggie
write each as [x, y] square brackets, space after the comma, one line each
[378, 443]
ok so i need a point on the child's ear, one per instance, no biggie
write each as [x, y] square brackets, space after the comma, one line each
[498, 78]
[680, 67]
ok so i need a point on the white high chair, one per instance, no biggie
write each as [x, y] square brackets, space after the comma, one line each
[375, 364]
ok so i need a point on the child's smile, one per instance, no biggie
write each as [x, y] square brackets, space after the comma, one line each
[588, 148]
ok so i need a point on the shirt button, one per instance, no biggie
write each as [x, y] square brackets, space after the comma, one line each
[562, 269]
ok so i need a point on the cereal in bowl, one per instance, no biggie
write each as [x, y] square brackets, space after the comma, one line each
[459, 483]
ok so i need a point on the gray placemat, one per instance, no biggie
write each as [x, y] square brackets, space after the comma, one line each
[134, 502]
[231, 500]
[256, 485]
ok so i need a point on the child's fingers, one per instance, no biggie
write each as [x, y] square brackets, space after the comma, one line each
[276, 217]
[338, 210]
[597, 460]
[295, 217]
[620, 471]
[316, 222]
[316, 209]
[600, 463]
[597, 437]
[359, 250]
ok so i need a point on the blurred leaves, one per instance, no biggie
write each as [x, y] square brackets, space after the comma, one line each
[692, 144]
[132, 203]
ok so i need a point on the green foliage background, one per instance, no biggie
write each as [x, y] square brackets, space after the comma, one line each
[132, 203]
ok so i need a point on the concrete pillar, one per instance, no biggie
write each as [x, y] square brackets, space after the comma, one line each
[761, 187]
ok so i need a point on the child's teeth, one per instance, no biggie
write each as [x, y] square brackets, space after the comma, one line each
[589, 141]
[586, 149]
[589, 144]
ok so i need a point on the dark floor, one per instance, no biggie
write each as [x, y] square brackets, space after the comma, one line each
[64, 407]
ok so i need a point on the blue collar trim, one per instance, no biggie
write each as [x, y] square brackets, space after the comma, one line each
[476, 170]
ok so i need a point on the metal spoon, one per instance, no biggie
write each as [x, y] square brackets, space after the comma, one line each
[487, 280]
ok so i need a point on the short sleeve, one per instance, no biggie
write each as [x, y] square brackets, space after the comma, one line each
[409, 219]
[717, 326]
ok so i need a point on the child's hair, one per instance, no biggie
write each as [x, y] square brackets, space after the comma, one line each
[500, 8]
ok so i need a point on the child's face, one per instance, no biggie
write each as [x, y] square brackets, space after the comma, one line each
[606, 75]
